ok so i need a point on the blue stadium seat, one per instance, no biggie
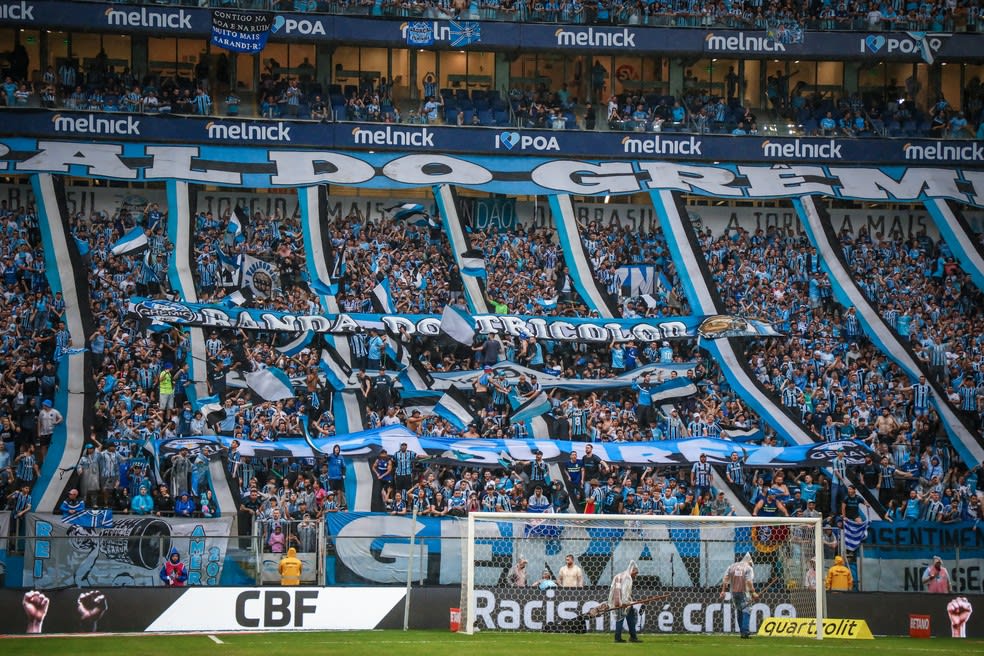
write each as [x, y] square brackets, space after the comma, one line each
[501, 117]
[451, 116]
[486, 117]
[467, 115]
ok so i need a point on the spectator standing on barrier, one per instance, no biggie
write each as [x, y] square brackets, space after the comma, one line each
[936, 578]
[839, 577]
[48, 418]
[290, 568]
[174, 574]
[336, 475]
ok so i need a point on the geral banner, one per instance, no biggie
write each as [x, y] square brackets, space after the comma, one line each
[102, 550]
[896, 555]
[566, 329]
[278, 166]
[372, 548]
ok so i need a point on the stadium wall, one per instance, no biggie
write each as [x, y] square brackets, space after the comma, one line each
[129, 610]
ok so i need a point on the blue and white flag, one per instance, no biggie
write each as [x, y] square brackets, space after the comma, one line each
[322, 289]
[83, 246]
[297, 344]
[382, 298]
[132, 242]
[473, 263]
[237, 298]
[530, 409]
[336, 370]
[454, 407]
[270, 384]
[458, 325]
[230, 269]
[235, 226]
[90, 519]
[407, 211]
[855, 533]
[61, 354]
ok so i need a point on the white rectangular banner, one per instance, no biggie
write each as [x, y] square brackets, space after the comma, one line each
[278, 609]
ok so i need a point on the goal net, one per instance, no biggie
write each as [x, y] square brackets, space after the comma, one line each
[529, 572]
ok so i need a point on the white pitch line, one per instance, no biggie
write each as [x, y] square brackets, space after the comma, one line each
[215, 640]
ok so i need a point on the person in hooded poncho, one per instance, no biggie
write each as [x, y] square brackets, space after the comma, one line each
[620, 600]
[290, 568]
[174, 574]
[739, 582]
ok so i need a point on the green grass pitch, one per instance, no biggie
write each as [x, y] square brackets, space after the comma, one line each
[439, 643]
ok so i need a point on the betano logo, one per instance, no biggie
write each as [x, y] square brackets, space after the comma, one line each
[622, 38]
[143, 17]
[743, 43]
[247, 130]
[660, 145]
[17, 11]
[93, 124]
[390, 136]
[803, 149]
[972, 152]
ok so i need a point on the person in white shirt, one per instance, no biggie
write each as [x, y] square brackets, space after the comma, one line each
[570, 575]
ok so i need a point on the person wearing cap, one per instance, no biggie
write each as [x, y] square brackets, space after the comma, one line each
[936, 578]
[538, 501]
[559, 499]
[330, 504]
[620, 600]
[738, 586]
[48, 418]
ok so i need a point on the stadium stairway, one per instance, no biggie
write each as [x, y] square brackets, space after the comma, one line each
[816, 222]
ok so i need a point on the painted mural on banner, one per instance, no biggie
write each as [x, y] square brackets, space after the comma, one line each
[97, 548]
[258, 167]
[566, 329]
[479, 452]
[372, 547]
[897, 556]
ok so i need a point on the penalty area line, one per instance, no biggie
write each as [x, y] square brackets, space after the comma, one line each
[215, 639]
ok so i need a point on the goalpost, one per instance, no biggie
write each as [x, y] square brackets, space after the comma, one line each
[682, 561]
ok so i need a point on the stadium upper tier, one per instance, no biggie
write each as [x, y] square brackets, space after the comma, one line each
[787, 20]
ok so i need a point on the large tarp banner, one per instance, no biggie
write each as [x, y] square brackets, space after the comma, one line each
[497, 453]
[97, 549]
[567, 329]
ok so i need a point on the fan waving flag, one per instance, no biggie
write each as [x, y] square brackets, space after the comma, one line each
[237, 220]
[132, 242]
[473, 263]
[535, 407]
[407, 211]
[454, 407]
[270, 384]
[298, 344]
[382, 298]
[458, 325]
[854, 533]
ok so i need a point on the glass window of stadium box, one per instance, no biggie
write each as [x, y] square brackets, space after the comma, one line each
[886, 81]
[175, 58]
[101, 53]
[355, 67]
[463, 71]
[25, 64]
[709, 76]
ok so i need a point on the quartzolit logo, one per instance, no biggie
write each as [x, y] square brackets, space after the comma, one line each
[92, 124]
[19, 11]
[519, 141]
[143, 17]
